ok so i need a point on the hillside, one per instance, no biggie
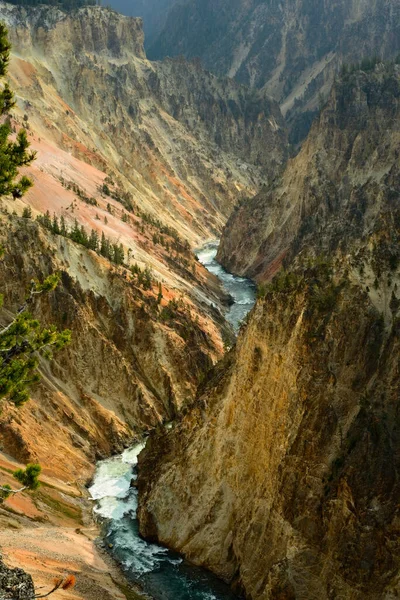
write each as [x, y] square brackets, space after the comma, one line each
[137, 164]
[282, 477]
[338, 187]
[290, 49]
[179, 142]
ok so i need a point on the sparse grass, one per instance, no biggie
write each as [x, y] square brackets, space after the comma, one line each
[59, 507]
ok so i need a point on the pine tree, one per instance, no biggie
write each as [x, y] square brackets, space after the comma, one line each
[63, 227]
[160, 294]
[104, 246]
[94, 240]
[23, 341]
[147, 279]
[12, 154]
[55, 226]
[47, 220]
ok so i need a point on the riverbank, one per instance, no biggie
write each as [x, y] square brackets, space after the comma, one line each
[52, 532]
[163, 574]
[240, 290]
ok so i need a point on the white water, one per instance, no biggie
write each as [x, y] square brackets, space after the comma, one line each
[242, 290]
[162, 574]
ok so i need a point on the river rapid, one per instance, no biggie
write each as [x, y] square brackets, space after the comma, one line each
[242, 290]
[160, 573]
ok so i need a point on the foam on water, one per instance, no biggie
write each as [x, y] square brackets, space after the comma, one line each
[162, 574]
[242, 290]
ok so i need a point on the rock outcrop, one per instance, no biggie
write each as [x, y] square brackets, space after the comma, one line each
[15, 584]
[282, 478]
[153, 155]
[127, 369]
[183, 143]
[291, 49]
[332, 192]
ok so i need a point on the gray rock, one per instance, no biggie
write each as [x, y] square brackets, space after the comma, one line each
[15, 584]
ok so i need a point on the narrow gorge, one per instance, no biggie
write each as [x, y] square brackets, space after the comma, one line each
[200, 300]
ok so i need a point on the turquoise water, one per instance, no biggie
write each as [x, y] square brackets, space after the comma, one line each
[242, 290]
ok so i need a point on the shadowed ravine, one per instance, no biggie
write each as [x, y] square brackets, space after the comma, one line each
[161, 573]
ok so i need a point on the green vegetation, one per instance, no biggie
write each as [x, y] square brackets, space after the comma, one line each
[70, 185]
[12, 154]
[367, 64]
[315, 280]
[23, 341]
[28, 478]
[110, 250]
[144, 278]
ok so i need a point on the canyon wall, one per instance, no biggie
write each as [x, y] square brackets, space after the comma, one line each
[184, 143]
[126, 369]
[341, 183]
[153, 156]
[291, 49]
[282, 476]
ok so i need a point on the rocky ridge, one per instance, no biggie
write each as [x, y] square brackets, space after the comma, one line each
[183, 143]
[282, 477]
[290, 49]
[341, 184]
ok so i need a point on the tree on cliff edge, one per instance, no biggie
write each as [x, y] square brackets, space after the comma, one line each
[23, 340]
[13, 153]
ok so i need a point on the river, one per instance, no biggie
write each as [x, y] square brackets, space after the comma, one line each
[242, 290]
[162, 574]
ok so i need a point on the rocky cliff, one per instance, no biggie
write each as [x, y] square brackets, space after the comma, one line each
[291, 49]
[15, 584]
[183, 143]
[282, 477]
[127, 369]
[152, 156]
[344, 177]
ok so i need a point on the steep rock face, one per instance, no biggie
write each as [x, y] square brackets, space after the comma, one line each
[15, 584]
[108, 34]
[291, 48]
[345, 174]
[125, 370]
[184, 142]
[282, 476]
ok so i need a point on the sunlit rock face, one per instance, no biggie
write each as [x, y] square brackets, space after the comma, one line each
[184, 143]
[282, 476]
[174, 147]
[340, 185]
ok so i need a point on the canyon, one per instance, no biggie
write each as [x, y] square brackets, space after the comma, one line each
[153, 156]
[290, 49]
[272, 455]
[282, 477]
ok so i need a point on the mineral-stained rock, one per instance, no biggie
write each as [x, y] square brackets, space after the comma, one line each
[291, 48]
[332, 192]
[282, 478]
